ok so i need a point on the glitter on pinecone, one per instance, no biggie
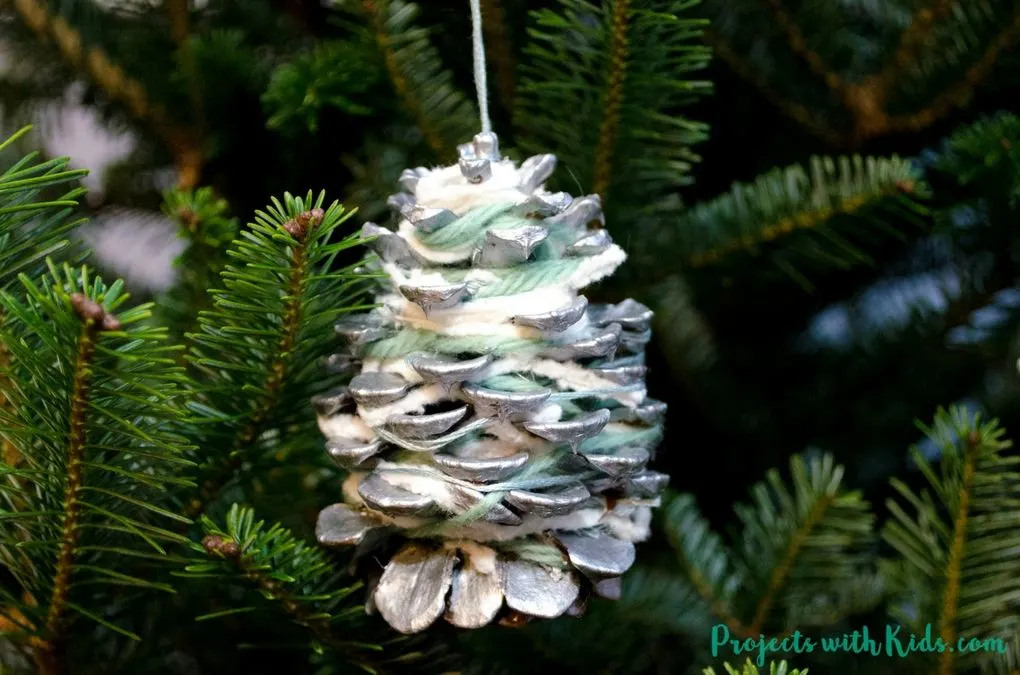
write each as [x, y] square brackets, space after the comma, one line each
[497, 431]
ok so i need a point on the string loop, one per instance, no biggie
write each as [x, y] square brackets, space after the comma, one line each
[481, 85]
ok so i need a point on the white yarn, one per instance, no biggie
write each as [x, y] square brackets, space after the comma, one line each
[483, 559]
[396, 365]
[629, 522]
[597, 267]
[447, 188]
[414, 402]
[512, 436]
[570, 376]
[433, 486]
[345, 426]
[531, 524]
[488, 448]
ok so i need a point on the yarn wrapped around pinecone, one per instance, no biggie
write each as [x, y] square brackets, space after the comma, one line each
[497, 431]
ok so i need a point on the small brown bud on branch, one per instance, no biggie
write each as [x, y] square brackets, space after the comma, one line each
[188, 217]
[311, 218]
[300, 226]
[91, 312]
[227, 548]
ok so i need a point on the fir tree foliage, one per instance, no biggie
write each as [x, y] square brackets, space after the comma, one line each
[91, 396]
[986, 155]
[956, 541]
[423, 85]
[259, 351]
[805, 218]
[748, 668]
[623, 68]
[297, 578]
[302, 88]
[801, 558]
[36, 201]
[202, 221]
[910, 67]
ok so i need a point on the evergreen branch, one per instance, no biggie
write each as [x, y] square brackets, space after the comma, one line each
[9, 454]
[704, 560]
[961, 91]
[956, 557]
[799, 46]
[685, 333]
[790, 555]
[33, 226]
[91, 431]
[442, 113]
[612, 98]
[299, 580]
[94, 319]
[260, 347]
[903, 93]
[110, 77]
[201, 219]
[984, 159]
[801, 546]
[376, 169]
[335, 74]
[784, 205]
[798, 112]
[263, 562]
[775, 668]
[497, 44]
[912, 41]
[951, 598]
[180, 30]
[801, 552]
[624, 136]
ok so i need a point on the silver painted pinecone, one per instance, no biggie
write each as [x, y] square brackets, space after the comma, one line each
[497, 431]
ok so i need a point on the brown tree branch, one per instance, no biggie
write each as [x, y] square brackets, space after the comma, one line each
[951, 597]
[180, 31]
[182, 143]
[799, 113]
[278, 370]
[960, 92]
[375, 14]
[785, 566]
[49, 655]
[798, 44]
[912, 40]
[866, 100]
[609, 131]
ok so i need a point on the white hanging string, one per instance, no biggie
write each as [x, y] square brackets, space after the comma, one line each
[479, 52]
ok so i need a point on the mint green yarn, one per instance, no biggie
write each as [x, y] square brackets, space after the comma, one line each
[513, 382]
[521, 278]
[608, 440]
[411, 340]
[468, 228]
[528, 277]
[534, 551]
[538, 474]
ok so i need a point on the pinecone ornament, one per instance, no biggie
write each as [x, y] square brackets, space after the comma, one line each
[497, 430]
